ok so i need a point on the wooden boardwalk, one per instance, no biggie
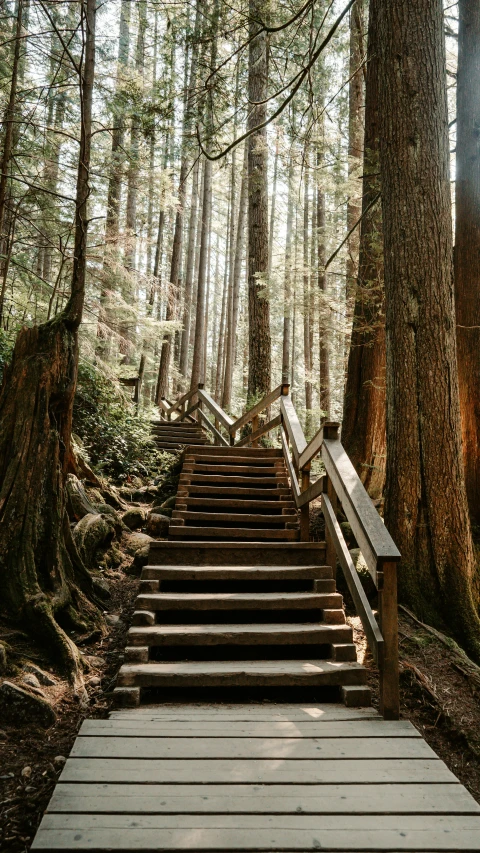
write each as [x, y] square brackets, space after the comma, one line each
[257, 777]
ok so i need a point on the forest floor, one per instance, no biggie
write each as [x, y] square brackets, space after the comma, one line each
[440, 693]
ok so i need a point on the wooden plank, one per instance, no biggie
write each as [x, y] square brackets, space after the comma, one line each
[270, 632]
[312, 493]
[233, 532]
[236, 573]
[232, 748]
[374, 540]
[238, 601]
[275, 728]
[291, 471]
[216, 410]
[293, 427]
[362, 605]
[263, 430]
[188, 412]
[213, 428]
[313, 447]
[259, 832]
[267, 771]
[260, 712]
[256, 410]
[263, 799]
[182, 400]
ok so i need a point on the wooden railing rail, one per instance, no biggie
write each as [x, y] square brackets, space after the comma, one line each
[340, 485]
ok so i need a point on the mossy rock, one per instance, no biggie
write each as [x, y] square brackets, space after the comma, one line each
[134, 518]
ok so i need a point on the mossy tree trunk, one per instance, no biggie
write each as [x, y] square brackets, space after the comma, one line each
[44, 584]
[426, 507]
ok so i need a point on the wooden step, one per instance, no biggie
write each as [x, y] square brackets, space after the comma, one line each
[290, 673]
[244, 470]
[231, 533]
[221, 573]
[233, 479]
[239, 518]
[288, 633]
[202, 457]
[220, 503]
[278, 493]
[238, 601]
[169, 553]
[271, 452]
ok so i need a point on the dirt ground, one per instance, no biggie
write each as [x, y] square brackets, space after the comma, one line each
[438, 692]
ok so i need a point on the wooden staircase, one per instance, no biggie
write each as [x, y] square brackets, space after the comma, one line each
[234, 493]
[260, 616]
[174, 435]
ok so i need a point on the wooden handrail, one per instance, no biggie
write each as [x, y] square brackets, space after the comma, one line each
[213, 428]
[256, 409]
[293, 427]
[374, 540]
[291, 471]
[181, 401]
[372, 631]
[263, 430]
[216, 410]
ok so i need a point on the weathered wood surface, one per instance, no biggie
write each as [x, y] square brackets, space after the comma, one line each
[271, 771]
[259, 832]
[139, 727]
[263, 799]
[286, 749]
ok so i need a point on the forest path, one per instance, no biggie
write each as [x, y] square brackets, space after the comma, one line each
[220, 617]
[256, 777]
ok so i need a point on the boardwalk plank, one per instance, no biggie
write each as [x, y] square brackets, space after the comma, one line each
[257, 748]
[327, 771]
[258, 832]
[263, 799]
[279, 728]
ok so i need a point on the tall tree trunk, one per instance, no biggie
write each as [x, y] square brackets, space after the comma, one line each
[323, 311]
[307, 346]
[199, 340]
[426, 507]
[178, 233]
[364, 418]
[134, 154]
[467, 244]
[287, 281]
[189, 270]
[259, 350]
[273, 202]
[8, 141]
[355, 146]
[43, 579]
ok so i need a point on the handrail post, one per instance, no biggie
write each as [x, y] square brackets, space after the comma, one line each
[254, 429]
[305, 510]
[217, 426]
[388, 613]
[330, 430]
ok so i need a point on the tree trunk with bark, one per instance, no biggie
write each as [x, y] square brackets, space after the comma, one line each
[467, 244]
[259, 364]
[426, 507]
[364, 418]
[44, 583]
[355, 145]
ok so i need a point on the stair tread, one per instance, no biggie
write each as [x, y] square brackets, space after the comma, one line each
[232, 532]
[306, 669]
[232, 516]
[236, 572]
[239, 634]
[241, 479]
[236, 504]
[199, 458]
[244, 470]
[194, 489]
[234, 601]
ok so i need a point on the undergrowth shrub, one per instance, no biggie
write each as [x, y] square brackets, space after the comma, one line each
[116, 438]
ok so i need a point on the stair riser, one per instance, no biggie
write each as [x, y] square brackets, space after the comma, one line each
[308, 636]
[150, 602]
[244, 679]
[231, 533]
[238, 554]
[159, 573]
